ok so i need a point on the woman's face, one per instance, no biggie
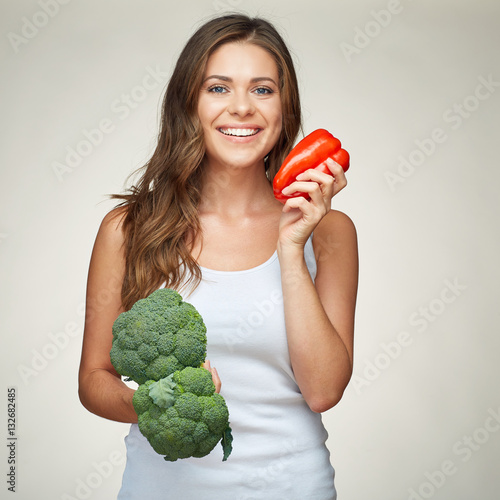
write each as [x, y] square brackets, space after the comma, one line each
[239, 105]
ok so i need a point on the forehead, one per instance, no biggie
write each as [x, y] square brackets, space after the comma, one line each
[241, 59]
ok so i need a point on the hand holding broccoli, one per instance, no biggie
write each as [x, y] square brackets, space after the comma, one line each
[160, 343]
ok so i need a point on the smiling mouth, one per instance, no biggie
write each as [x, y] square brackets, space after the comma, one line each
[239, 132]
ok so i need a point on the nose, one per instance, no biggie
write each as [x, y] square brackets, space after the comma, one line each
[241, 104]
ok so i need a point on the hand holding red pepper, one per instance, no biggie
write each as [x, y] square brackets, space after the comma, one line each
[310, 152]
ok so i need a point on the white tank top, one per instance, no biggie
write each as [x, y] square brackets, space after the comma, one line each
[279, 449]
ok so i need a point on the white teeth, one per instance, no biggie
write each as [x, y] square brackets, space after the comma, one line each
[239, 132]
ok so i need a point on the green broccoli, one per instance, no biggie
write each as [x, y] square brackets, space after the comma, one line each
[161, 343]
[157, 336]
[182, 416]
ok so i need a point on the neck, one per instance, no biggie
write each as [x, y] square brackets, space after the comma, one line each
[235, 192]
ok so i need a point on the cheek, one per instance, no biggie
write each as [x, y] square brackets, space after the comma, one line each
[275, 114]
[277, 121]
[206, 112]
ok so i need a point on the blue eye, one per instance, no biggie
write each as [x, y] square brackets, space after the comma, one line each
[263, 91]
[217, 89]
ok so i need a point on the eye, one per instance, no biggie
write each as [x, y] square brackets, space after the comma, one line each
[263, 91]
[217, 89]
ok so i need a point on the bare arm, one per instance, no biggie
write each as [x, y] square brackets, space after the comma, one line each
[101, 389]
[319, 316]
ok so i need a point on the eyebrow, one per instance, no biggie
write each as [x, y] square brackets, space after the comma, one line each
[228, 79]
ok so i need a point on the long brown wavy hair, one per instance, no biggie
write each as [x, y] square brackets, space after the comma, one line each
[160, 214]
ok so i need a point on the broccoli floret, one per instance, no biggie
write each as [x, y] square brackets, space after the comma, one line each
[182, 416]
[159, 335]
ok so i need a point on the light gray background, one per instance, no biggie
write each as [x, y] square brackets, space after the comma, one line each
[381, 81]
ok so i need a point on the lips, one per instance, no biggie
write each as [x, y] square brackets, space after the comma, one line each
[239, 131]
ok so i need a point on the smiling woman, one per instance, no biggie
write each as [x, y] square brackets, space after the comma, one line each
[240, 113]
[277, 302]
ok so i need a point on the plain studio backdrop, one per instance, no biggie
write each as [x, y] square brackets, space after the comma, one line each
[412, 88]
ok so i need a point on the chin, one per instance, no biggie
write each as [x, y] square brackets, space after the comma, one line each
[242, 163]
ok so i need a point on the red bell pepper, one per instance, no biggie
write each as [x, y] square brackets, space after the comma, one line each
[310, 152]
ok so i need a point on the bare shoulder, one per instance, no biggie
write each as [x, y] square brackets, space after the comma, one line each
[336, 219]
[335, 232]
[112, 223]
[107, 263]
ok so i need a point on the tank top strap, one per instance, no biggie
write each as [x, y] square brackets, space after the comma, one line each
[310, 258]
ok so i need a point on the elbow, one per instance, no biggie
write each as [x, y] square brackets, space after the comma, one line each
[84, 402]
[325, 391]
[83, 395]
[322, 403]
[86, 389]
[323, 400]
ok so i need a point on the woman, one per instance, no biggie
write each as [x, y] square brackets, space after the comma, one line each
[275, 284]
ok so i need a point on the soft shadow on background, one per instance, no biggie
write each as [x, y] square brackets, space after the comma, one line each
[413, 91]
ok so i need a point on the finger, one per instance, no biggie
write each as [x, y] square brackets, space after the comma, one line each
[319, 192]
[300, 187]
[334, 167]
[216, 380]
[340, 179]
[313, 174]
[337, 179]
[325, 181]
[215, 376]
[310, 212]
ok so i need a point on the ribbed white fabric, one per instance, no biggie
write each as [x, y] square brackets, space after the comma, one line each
[279, 447]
